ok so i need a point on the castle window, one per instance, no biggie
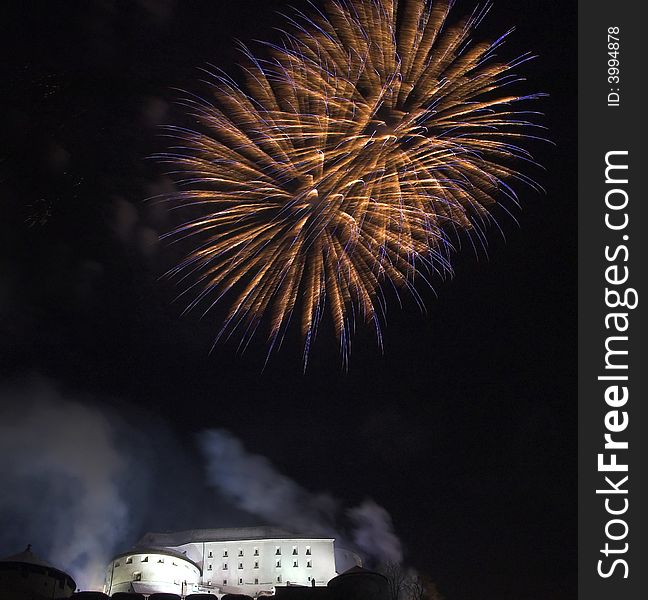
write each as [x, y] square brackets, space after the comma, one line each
[240, 552]
[294, 550]
[240, 565]
[160, 560]
[129, 560]
[224, 553]
[278, 563]
[209, 567]
[137, 576]
[256, 552]
[308, 552]
[211, 554]
[256, 581]
[309, 563]
[240, 581]
[224, 581]
[224, 566]
[256, 564]
[295, 564]
[145, 559]
[279, 579]
[116, 564]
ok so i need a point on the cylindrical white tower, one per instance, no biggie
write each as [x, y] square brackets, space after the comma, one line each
[152, 570]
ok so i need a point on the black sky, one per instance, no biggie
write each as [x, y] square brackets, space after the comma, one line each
[464, 428]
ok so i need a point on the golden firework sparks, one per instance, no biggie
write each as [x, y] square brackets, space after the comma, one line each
[347, 162]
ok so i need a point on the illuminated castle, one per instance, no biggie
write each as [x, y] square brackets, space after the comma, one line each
[254, 561]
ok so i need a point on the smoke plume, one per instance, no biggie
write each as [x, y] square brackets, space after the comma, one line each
[59, 472]
[252, 482]
[373, 530]
[80, 484]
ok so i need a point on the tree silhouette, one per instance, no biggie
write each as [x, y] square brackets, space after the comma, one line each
[407, 584]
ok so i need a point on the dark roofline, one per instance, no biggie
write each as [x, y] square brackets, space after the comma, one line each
[32, 562]
[36, 568]
[354, 572]
[230, 534]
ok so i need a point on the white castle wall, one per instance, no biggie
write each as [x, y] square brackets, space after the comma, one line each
[154, 572]
[251, 561]
[252, 566]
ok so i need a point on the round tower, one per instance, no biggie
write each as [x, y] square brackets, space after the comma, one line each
[24, 576]
[359, 584]
[152, 571]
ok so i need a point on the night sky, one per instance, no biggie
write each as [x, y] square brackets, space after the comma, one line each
[464, 428]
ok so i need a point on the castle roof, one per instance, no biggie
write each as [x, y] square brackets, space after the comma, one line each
[156, 550]
[225, 534]
[33, 562]
[27, 557]
[353, 573]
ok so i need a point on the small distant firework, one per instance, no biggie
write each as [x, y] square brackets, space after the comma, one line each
[347, 163]
[39, 212]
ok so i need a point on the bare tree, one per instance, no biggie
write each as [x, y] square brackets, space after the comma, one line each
[420, 587]
[407, 584]
[397, 578]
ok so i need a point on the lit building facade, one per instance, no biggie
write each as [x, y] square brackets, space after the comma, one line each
[149, 570]
[252, 561]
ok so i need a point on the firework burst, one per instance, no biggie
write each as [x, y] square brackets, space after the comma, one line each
[346, 163]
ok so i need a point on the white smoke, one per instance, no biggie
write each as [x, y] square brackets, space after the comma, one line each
[253, 483]
[59, 471]
[373, 528]
[77, 483]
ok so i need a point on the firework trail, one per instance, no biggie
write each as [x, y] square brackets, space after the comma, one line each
[346, 164]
